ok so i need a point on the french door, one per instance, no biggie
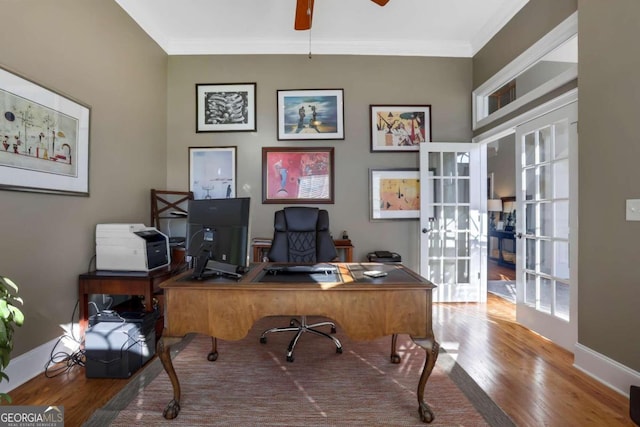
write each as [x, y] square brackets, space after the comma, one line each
[452, 220]
[546, 227]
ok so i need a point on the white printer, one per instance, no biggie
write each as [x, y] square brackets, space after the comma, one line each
[130, 247]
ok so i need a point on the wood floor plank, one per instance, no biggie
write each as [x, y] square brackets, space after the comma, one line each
[530, 378]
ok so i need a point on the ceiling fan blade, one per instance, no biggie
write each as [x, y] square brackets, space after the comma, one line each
[304, 14]
[380, 2]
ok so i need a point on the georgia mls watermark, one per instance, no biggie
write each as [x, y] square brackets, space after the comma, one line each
[31, 416]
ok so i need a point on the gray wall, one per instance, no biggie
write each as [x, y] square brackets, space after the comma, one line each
[92, 51]
[445, 83]
[609, 106]
[609, 103]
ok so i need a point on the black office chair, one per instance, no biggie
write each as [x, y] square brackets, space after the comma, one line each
[301, 236]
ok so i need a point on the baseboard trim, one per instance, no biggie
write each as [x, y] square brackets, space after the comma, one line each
[609, 372]
[32, 363]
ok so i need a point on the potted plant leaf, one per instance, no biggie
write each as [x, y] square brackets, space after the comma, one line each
[10, 316]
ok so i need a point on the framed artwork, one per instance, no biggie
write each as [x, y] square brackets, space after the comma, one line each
[45, 139]
[212, 172]
[297, 175]
[226, 107]
[399, 127]
[395, 193]
[310, 114]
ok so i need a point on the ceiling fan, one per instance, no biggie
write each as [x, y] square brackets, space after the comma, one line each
[304, 13]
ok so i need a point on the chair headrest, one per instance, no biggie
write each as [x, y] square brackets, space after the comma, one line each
[300, 218]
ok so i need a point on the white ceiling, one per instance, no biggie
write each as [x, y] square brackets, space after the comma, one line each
[453, 28]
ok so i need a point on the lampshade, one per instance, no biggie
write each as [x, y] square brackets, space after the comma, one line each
[494, 205]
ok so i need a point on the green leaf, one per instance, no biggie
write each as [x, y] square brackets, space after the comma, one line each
[18, 317]
[4, 309]
[8, 282]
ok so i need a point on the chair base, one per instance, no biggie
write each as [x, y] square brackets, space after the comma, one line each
[300, 327]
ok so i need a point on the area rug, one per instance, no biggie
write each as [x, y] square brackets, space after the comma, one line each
[503, 288]
[252, 384]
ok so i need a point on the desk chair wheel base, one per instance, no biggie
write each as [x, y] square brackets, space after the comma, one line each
[300, 327]
[213, 356]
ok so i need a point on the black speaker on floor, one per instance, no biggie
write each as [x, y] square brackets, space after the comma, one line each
[634, 404]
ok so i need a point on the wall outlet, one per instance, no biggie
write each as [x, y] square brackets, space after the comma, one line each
[633, 210]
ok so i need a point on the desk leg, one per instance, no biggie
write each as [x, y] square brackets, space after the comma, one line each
[431, 348]
[395, 357]
[164, 352]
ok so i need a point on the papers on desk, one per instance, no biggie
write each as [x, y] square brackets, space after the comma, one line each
[374, 273]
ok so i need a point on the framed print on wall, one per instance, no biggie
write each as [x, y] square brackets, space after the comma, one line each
[212, 172]
[297, 175]
[45, 139]
[310, 114]
[399, 127]
[395, 193]
[229, 107]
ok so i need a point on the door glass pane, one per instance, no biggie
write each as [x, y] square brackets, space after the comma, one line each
[529, 149]
[437, 190]
[463, 218]
[435, 245]
[561, 142]
[530, 289]
[434, 164]
[562, 300]
[546, 219]
[544, 144]
[530, 245]
[449, 216]
[530, 184]
[561, 270]
[449, 270]
[463, 244]
[561, 181]
[545, 182]
[449, 164]
[546, 295]
[562, 219]
[463, 271]
[463, 191]
[435, 271]
[530, 218]
[449, 244]
[449, 190]
[546, 257]
[463, 164]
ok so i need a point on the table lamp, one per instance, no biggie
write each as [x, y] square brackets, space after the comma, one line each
[494, 205]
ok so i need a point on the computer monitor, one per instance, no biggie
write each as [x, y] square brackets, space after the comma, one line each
[218, 236]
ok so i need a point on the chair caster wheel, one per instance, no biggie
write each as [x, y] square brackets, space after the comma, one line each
[333, 329]
[263, 340]
[339, 350]
[289, 358]
[213, 356]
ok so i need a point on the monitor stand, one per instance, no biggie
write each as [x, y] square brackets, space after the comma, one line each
[207, 267]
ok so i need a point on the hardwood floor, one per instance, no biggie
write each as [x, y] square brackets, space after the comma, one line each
[529, 377]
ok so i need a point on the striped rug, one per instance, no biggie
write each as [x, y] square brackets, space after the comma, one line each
[251, 384]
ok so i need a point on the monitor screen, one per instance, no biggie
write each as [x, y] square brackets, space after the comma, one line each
[218, 235]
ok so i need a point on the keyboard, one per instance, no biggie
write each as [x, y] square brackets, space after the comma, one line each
[301, 268]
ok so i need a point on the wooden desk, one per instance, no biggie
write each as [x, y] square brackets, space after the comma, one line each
[501, 236]
[364, 308]
[260, 250]
[114, 283]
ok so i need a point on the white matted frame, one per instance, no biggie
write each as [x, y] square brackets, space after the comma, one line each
[310, 114]
[212, 172]
[227, 107]
[394, 193]
[44, 139]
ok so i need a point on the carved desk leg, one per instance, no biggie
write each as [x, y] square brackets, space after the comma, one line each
[164, 353]
[395, 357]
[431, 348]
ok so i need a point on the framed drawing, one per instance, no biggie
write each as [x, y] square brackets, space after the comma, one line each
[226, 107]
[297, 175]
[45, 139]
[395, 193]
[399, 127]
[310, 114]
[212, 172]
